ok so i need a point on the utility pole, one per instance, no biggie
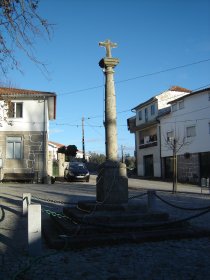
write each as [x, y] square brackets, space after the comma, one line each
[83, 139]
[122, 151]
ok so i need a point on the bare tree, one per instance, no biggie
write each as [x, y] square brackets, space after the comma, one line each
[175, 144]
[20, 24]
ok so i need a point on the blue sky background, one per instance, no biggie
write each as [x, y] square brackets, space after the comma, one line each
[152, 36]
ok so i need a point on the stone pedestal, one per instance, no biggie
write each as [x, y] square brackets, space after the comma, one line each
[112, 183]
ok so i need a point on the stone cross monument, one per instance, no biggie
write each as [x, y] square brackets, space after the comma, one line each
[108, 63]
[112, 181]
[108, 45]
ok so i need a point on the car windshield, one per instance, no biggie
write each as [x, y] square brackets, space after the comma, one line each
[77, 166]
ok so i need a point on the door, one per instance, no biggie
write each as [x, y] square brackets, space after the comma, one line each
[148, 166]
[205, 165]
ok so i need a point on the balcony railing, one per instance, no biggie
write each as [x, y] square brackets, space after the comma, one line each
[148, 145]
[148, 141]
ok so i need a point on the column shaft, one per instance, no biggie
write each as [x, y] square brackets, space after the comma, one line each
[110, 115]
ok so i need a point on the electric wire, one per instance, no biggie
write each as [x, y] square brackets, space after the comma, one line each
[137, 77]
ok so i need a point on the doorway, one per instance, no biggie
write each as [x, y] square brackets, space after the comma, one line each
[148, 166]
[205, 165]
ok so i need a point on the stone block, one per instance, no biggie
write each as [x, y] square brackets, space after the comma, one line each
[34, 229]
[112, 183]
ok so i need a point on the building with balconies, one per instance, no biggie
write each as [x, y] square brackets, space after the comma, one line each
[145, 126]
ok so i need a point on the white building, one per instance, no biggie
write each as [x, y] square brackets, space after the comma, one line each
[145, 125]
[53, 150]
[188, 124]
[24, 126]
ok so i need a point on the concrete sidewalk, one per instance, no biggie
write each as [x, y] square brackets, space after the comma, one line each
[142, 184]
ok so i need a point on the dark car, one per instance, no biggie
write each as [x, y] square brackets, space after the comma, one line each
[76, 171]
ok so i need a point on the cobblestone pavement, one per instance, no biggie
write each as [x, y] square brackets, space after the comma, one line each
[174, 259]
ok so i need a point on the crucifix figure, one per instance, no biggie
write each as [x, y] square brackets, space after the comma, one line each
[108, 45]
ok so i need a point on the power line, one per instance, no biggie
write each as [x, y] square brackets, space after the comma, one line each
[201, 109]
[119, 125]
[129, 110]
[163, 71]
[193, 120]
[137, 77]
[100, 116]
[79, 125]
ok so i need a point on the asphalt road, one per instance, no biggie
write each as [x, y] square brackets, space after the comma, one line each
[141, 184]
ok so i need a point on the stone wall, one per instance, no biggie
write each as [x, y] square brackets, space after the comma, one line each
[188, 168]
[33, 154]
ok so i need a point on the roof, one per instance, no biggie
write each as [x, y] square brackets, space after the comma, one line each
[154, 98]
[164, 111]
[58, 145]
[145, 103]
[189, 95]
[178, 88]
[4, 91]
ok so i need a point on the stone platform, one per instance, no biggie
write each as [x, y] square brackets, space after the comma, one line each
[91, 224]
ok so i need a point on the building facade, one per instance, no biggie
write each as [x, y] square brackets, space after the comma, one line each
[146, 127]
[24, 127]
[185, 133]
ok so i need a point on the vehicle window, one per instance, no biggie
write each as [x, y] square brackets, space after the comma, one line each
[77, 166]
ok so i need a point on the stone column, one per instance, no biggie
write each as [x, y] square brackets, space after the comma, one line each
[110, 108]
[112, 181]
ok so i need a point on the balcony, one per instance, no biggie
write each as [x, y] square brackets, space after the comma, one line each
[148, 141]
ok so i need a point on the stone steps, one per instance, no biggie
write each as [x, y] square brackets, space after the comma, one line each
[80, 229]
[60, 236]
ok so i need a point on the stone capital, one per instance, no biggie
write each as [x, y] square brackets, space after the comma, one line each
[108, 62]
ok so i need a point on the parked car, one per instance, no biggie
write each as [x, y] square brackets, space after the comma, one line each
[76, 171]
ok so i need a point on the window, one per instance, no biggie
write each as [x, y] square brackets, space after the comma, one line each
[14, 147]
[174, 107]
[152, 109]
[15, 110]
[170, 136]
[146, 114]
[191, 131]
[140, 115]
[181, 104]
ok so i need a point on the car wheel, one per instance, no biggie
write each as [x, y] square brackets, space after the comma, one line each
[70, 179]
[87, 179]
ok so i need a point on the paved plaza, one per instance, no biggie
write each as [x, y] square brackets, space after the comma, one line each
[169, 259]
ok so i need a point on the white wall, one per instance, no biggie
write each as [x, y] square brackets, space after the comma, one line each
[53, 150]
[196, 112]
[32, 120]
[167, 96]
[161, 102]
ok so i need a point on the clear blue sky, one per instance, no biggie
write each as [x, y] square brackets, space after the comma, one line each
[152, 36]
